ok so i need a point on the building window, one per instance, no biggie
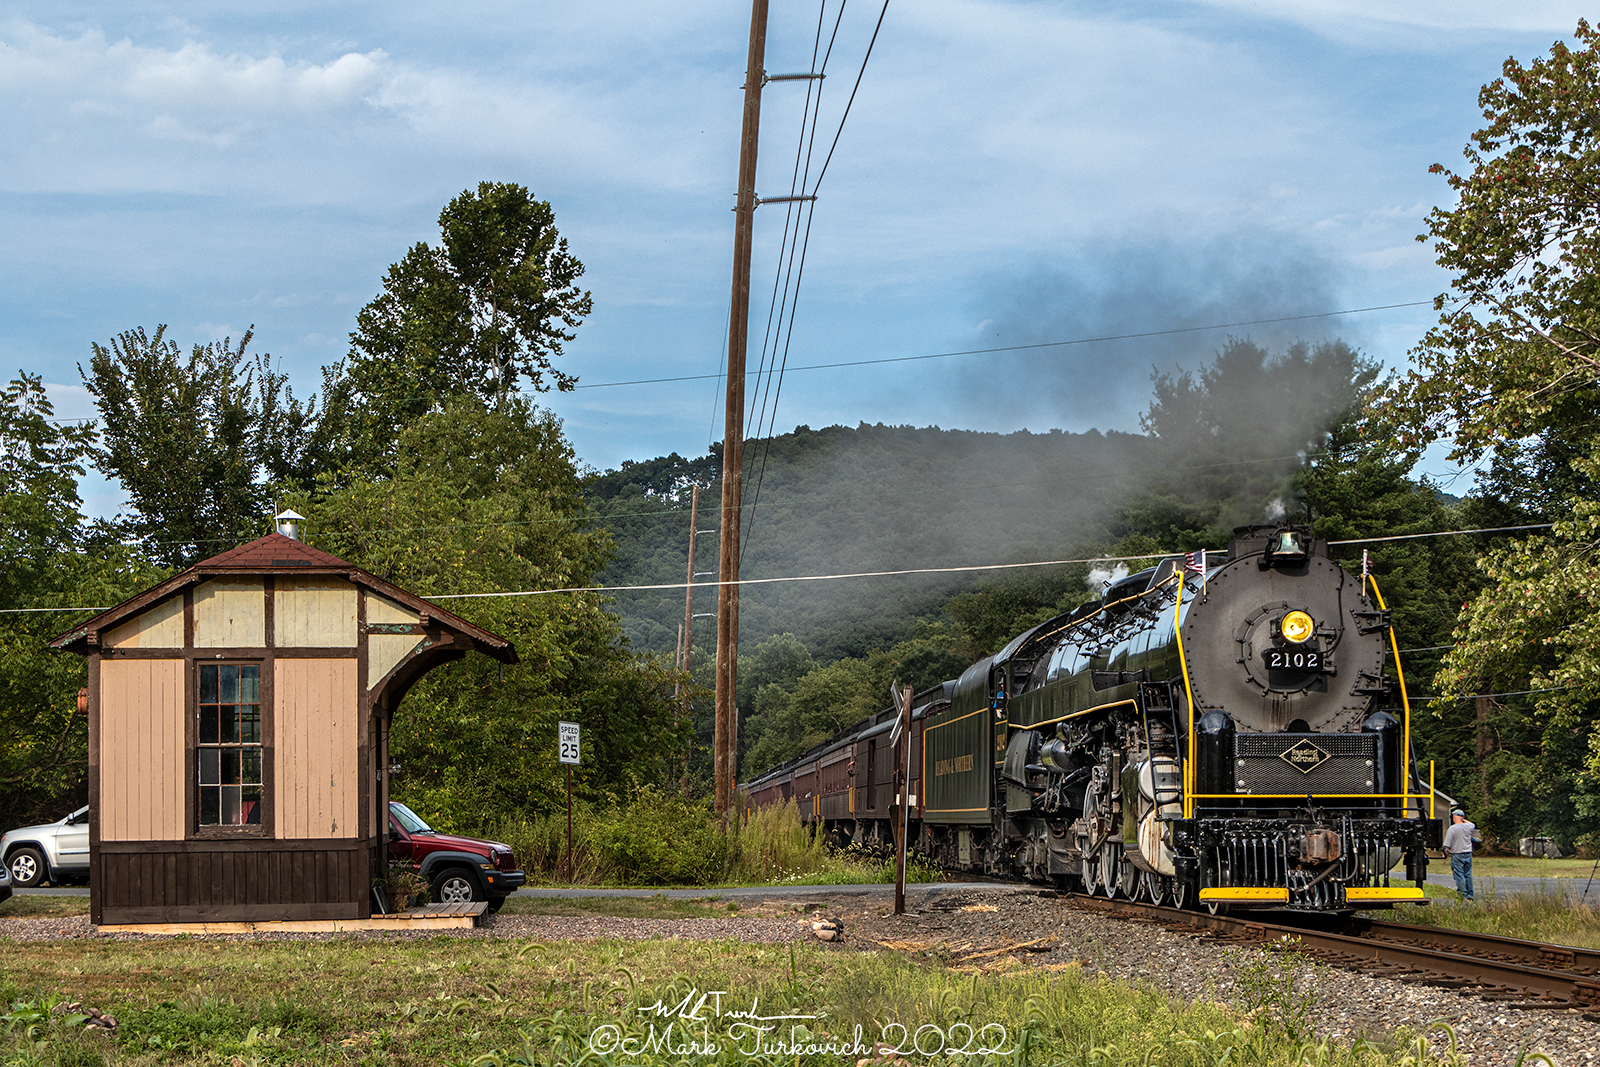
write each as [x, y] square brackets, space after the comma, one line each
[230, 744]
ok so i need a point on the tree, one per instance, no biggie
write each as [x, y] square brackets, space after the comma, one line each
[1517, 347]
[48, 560]
[193, 441]
[492, 306]
[1231, 438]
[488, 500]
[1512, 368]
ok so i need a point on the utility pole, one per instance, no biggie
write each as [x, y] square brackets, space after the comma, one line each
[902, 818]
[686, 633]
[725, 739]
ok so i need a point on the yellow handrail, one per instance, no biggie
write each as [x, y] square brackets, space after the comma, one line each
[1188, 764]
[1405, 699]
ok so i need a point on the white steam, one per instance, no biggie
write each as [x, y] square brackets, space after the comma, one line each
[1275, 510]
[1102, 576]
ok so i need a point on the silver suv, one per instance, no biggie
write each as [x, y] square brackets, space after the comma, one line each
[58, 851]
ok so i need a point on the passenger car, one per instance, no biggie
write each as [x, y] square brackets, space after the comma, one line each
[57, 851]
[458, 869]
[5, 885]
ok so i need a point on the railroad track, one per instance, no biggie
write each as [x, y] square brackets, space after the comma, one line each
[1521, 974]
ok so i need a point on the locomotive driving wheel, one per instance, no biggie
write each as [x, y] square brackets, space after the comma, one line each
[1152, 888]
[1217, 873]
[1096, 876]
[1121, 875]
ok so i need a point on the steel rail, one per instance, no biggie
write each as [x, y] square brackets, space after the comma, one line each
[1498, 979]
[1488, 946]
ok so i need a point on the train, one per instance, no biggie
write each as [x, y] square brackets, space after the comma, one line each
[1223, 730]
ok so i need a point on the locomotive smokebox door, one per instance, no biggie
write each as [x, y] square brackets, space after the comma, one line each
[1283, 648]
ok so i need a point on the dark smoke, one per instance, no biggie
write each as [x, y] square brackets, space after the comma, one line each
[1138, 285]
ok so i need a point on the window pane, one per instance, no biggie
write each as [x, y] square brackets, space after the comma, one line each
[252, 767]
[208, 806]
[250, 723]
[208, 725]
[208, 685]
[230, 805]
[230, 723]
[230, 766]
[249, 685]
[250, 802]
[209, 765]
[230, 684]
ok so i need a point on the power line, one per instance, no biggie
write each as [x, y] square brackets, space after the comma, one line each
[1443, 533]
[786, 271]
[835, 577]
[805, 243]
[800, 577]
[1029, 347]
[962, 352]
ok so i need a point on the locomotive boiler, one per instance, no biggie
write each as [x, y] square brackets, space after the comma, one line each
[1221, 730]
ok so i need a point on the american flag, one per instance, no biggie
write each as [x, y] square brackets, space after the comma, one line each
[1195, 561]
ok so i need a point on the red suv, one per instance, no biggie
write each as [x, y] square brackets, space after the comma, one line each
[460, 869]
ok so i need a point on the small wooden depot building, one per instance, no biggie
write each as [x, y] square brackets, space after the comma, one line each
[238, 735]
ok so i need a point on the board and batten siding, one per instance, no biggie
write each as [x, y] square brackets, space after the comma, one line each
[314, 614]
[230, 614]
[160, 627]
[385, 651]
[315, 726]
[143, 764]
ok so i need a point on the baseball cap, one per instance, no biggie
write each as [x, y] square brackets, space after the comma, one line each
[1458, 811]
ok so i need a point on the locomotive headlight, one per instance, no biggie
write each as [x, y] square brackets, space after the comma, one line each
[1297, 627]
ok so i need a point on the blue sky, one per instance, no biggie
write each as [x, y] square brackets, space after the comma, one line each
[1011, 173]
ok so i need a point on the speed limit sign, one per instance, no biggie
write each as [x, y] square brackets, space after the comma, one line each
[567, 742]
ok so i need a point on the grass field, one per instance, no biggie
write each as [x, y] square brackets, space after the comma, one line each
[1521, 867]
[454, 1001]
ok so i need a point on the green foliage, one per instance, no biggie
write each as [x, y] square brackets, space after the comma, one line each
[1538, 623]
[660, 840]
[48, 559]
[492, 305]
[656, 839]
[191, 440]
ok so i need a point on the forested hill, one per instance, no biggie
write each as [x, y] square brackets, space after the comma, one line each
[867, 498]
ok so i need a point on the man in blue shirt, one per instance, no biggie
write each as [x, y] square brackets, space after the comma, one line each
[1458, 842]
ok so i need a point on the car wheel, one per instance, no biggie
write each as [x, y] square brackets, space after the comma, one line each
[455, 886]
[27, 867]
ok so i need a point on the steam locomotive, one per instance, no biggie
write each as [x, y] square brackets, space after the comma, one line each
[1214, 731]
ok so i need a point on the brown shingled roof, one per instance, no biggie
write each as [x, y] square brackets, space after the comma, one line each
[269, 553]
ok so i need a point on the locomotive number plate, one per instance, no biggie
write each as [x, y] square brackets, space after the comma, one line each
[1293, 659]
